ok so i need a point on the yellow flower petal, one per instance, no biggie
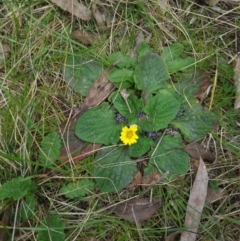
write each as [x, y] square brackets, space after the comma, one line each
[128, 135]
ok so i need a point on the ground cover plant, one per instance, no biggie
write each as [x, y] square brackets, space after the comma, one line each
[111, 113]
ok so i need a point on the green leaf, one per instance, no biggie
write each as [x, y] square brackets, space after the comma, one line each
[172, 52]
[17, 188]
[51, 229]
[50, 149]
[98, 125]
[143, 49]
[75, 147]
[120, 75]
[77, 189]
[171, 56]
[161, 110]
[28, 207]
[80, 72]
[195, 123]
[141, 147]
[124, 85]
[179, 64]
[168, 156]
[121, 60]
[151, 74]
[114, 169]
[192, 83]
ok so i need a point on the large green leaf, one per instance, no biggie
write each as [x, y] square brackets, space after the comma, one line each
[172, 52]
[141, 147]
[122, 60]
[179, 64]
[193, 83]
[80, 72]
[113, 169]
[50, 149]
[98, 125]
[51, 229]
[17, 188]
[168, 156]
[151, 74]
[77, 189]
[171, 56]
[194, 124]
[161, 110]
[120, 75]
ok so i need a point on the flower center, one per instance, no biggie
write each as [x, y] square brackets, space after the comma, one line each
[129, 134]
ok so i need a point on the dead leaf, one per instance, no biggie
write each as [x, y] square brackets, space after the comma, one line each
[136, 181]
[196, 203]
[152, 179]
[125, 96]
[87, 38]
[4, 223]
[99, 91]
[74, 148]
[138, 210]
[213, 195]
[196, 151]
[99, 17]
[173, 236]
[75, 8]
[237, 82]
[164, 4]
[203, 81]
[4, 53]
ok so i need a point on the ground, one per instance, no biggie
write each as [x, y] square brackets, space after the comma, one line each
[35, 100]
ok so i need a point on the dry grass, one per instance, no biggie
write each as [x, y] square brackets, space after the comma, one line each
[35, 100]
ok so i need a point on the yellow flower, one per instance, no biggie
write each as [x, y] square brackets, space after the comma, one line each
[128, 135]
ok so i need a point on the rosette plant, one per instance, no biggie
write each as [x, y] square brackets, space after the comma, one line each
[145, 117]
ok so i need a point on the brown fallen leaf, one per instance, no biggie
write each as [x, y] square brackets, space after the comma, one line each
[203, 81]
[137, 180]
[164, 5]
[99, 17]
[196, 151]
[74, 148]
[87, 38]
[173, 236]
[4, 223]
[138, 210]
[99, 91]
[125, 96]
[195, 204]
[237, 82]
[152, 179]
[75, 8]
